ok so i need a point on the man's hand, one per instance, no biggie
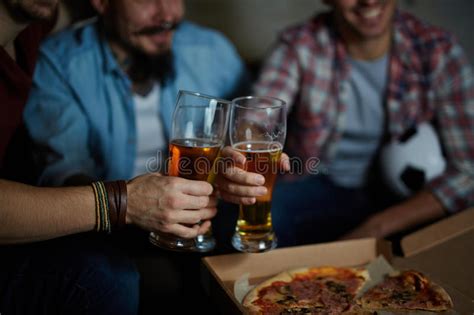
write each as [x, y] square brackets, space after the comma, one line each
[170, 204]
[238, 186]
[372, 227]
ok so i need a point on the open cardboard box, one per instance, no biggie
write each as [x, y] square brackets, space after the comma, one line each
[444, 251]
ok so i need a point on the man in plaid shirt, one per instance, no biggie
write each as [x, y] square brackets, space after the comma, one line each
[354, 77]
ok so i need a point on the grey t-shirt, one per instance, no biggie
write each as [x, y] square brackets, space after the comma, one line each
[363, 123]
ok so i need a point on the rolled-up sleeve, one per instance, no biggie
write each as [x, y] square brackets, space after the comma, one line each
[57, 125]
[454, 99]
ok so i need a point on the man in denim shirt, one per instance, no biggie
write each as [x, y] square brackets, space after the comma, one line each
[104, 92]
[102, 102]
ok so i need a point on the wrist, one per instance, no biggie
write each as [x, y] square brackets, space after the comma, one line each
[128, 217]
[378, 226]
[111, 205]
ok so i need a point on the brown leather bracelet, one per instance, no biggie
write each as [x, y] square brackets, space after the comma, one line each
[117, 202]
[112, 203]
[122, 187]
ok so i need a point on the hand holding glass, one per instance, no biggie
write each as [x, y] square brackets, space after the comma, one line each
[258, 131]
[198, 133]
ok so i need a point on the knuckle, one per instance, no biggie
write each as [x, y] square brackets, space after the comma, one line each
[172, 183]
[230, 172]
[173, 202]
[248, 178]
[166, 217]
[209, 213]
[204, 202]
[230, 187]
[165, 228]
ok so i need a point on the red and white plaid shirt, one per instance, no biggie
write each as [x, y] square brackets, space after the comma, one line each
[430, 79]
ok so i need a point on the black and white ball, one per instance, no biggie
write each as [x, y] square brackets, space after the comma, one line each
[410, 162]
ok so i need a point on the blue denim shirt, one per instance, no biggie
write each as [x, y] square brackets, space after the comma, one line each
[81, 112]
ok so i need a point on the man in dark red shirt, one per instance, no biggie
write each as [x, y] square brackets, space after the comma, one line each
[19, 44]
[66, 275]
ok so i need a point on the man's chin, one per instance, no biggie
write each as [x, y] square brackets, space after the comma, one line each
[39, 11]
[153, 51]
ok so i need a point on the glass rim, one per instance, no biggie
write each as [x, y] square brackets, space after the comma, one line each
[267, 98]
[202, 95]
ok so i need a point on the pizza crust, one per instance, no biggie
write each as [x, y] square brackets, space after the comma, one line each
[253, 294]
[289, 276]
[444, 296]
[411, 280]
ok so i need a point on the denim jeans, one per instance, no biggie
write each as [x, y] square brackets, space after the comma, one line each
[82, 274]
[315, 210]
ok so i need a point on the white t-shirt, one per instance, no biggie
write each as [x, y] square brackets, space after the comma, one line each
[364, 122]
[151, 142]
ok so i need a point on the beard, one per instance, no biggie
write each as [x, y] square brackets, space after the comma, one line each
[144, 67]
[139, 65]
[31, 10]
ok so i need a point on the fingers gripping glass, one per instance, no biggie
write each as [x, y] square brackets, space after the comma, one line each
[258, 131]
[198, 133]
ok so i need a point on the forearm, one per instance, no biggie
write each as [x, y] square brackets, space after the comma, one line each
[32, 214]
[422, 208]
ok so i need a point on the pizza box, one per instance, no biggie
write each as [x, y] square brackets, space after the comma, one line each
[445, 251]
[437, 251]
[223, 271]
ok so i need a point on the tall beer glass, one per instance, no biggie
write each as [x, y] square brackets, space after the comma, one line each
[198, 133]
[258, 131]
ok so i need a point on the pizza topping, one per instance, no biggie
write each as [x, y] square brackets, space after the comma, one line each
[287, 300]
[408, 290]
[284, 289]
[336, 287]
[331, 291]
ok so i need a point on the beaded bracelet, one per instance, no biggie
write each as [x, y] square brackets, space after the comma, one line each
[111, 205]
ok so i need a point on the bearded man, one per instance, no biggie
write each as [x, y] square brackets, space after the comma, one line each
[104, 92]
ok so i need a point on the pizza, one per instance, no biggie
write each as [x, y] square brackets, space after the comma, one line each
[408, 290]
[324, 290]
[331, 290]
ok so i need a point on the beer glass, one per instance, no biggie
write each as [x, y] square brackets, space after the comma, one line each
[258, 131]
[198, 133]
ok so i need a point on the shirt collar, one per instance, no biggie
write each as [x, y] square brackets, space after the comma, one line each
[402, 42]
[110, 62]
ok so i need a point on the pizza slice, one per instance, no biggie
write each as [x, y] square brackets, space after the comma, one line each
[324, 290]
[408, 290]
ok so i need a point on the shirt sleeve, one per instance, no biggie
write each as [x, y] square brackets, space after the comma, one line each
[57, 125]
[280, 74]
[454, 99]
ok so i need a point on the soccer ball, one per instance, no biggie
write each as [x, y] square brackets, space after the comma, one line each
[410, 162]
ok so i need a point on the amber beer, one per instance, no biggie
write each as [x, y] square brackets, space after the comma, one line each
[261, 157]
[192, 158]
